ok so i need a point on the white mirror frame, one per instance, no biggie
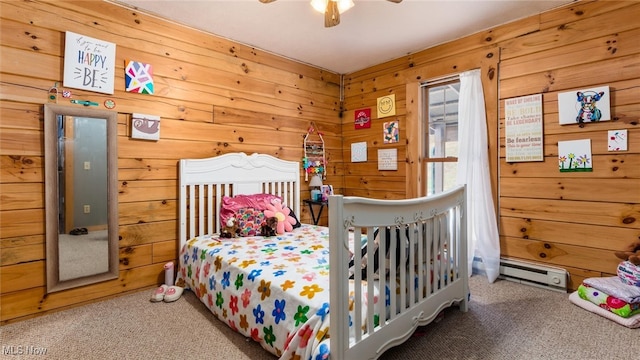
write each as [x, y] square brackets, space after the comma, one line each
[51, 112]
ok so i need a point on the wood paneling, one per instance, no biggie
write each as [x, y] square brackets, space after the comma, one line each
[23, 303]
[22, 276]
[362, 92]
[570, 220]
[586, 235]
[213, 96]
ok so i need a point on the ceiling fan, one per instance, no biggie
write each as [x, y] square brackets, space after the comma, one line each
[331, 9]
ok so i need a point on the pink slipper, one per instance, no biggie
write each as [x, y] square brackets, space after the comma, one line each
[159, 294]
[173, 293]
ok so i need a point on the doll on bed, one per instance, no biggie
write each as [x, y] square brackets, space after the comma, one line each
[230, 229]
[269, 227]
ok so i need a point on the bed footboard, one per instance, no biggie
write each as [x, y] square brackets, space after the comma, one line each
[412, 253]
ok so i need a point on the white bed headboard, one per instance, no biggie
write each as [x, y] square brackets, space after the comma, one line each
[203, 183]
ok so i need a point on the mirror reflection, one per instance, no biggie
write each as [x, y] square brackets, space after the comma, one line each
[81, 196]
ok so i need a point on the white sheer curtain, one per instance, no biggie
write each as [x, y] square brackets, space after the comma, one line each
[473, 170]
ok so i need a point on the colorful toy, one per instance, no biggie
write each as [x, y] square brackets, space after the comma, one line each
[314, 161]
[282, 214]
[269, 227]
[230, 229]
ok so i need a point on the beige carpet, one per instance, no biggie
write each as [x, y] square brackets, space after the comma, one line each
[83, 255]
[505, 321]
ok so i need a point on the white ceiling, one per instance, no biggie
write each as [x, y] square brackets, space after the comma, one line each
[370, 33]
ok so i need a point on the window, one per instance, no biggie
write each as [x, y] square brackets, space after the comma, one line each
[441, 136]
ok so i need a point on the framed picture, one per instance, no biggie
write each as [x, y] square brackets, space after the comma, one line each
[575, 156]
[362, 119]
[386, 106]
[89, 64]
[145, 127]
[138, 77]
[326, 190]
[359, 152]
[584, 106]
[524, 136]
[387, 159]
[391, 133]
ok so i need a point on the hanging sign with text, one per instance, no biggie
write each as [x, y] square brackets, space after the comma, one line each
[89, 63]
[523, 129]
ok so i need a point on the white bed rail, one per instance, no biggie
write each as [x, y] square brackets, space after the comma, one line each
[426, 266]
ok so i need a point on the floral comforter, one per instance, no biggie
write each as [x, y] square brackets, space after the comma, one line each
[272, 289]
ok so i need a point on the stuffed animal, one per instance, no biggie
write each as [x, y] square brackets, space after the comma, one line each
[283, 214]
[269, 226]
[230, 229]
[631, 253]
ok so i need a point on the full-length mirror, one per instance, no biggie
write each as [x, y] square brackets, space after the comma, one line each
[81, 196]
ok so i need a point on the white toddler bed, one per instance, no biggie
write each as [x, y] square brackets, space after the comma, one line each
[276, 289]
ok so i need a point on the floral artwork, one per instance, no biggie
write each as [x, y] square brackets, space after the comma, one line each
[575, 156]
[138, 77]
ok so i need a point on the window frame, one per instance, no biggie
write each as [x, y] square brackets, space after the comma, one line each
[426, 159]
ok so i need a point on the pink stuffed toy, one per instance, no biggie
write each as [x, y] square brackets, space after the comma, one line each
[280, 212]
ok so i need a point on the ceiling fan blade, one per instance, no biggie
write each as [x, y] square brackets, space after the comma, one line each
[266, 1]
[395, 1]
[331, 14]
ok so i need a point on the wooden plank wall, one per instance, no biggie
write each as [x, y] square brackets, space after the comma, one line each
[575, 220]
[214, 96]
[570, 220]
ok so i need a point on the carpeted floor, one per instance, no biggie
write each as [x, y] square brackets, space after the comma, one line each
[83, 255]
[505, 321]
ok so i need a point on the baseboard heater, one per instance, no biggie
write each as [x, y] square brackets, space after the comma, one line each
[523, 272]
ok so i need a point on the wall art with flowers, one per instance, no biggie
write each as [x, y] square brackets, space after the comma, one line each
[575, 156]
